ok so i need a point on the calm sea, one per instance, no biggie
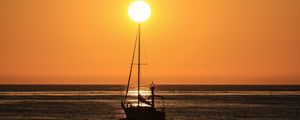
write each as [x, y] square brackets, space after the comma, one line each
[182, 102]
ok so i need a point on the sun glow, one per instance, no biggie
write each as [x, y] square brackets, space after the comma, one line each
[139, 11]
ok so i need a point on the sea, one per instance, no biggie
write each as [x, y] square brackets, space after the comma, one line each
[182, 102]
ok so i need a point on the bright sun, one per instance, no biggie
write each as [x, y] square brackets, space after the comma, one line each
[139, 11]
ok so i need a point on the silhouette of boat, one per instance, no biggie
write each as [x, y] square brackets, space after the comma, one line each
[144, 109]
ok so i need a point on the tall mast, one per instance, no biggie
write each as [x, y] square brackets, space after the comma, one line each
[139, 62]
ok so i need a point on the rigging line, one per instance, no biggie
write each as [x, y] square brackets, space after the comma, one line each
[132, 63]
[145, 59]
[139, 61]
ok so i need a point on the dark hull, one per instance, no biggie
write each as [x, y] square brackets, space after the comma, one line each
[143, 113]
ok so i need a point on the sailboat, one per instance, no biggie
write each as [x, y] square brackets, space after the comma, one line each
[137, 111]
[141, 108]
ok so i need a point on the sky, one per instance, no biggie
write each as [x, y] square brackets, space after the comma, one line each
[183, 42]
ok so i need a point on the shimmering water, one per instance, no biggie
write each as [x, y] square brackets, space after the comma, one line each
[182, 102]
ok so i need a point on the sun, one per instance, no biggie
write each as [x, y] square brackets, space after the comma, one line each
[139, 11]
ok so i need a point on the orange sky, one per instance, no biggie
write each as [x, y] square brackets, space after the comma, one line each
[191, 42]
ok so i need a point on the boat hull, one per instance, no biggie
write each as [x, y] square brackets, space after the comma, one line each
[143, 113]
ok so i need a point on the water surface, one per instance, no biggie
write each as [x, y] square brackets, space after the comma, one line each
[183, 102]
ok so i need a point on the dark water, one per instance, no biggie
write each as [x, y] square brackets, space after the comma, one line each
[183, 102]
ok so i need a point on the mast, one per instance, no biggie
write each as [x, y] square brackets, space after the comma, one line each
[138, 44]
[139, 62]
